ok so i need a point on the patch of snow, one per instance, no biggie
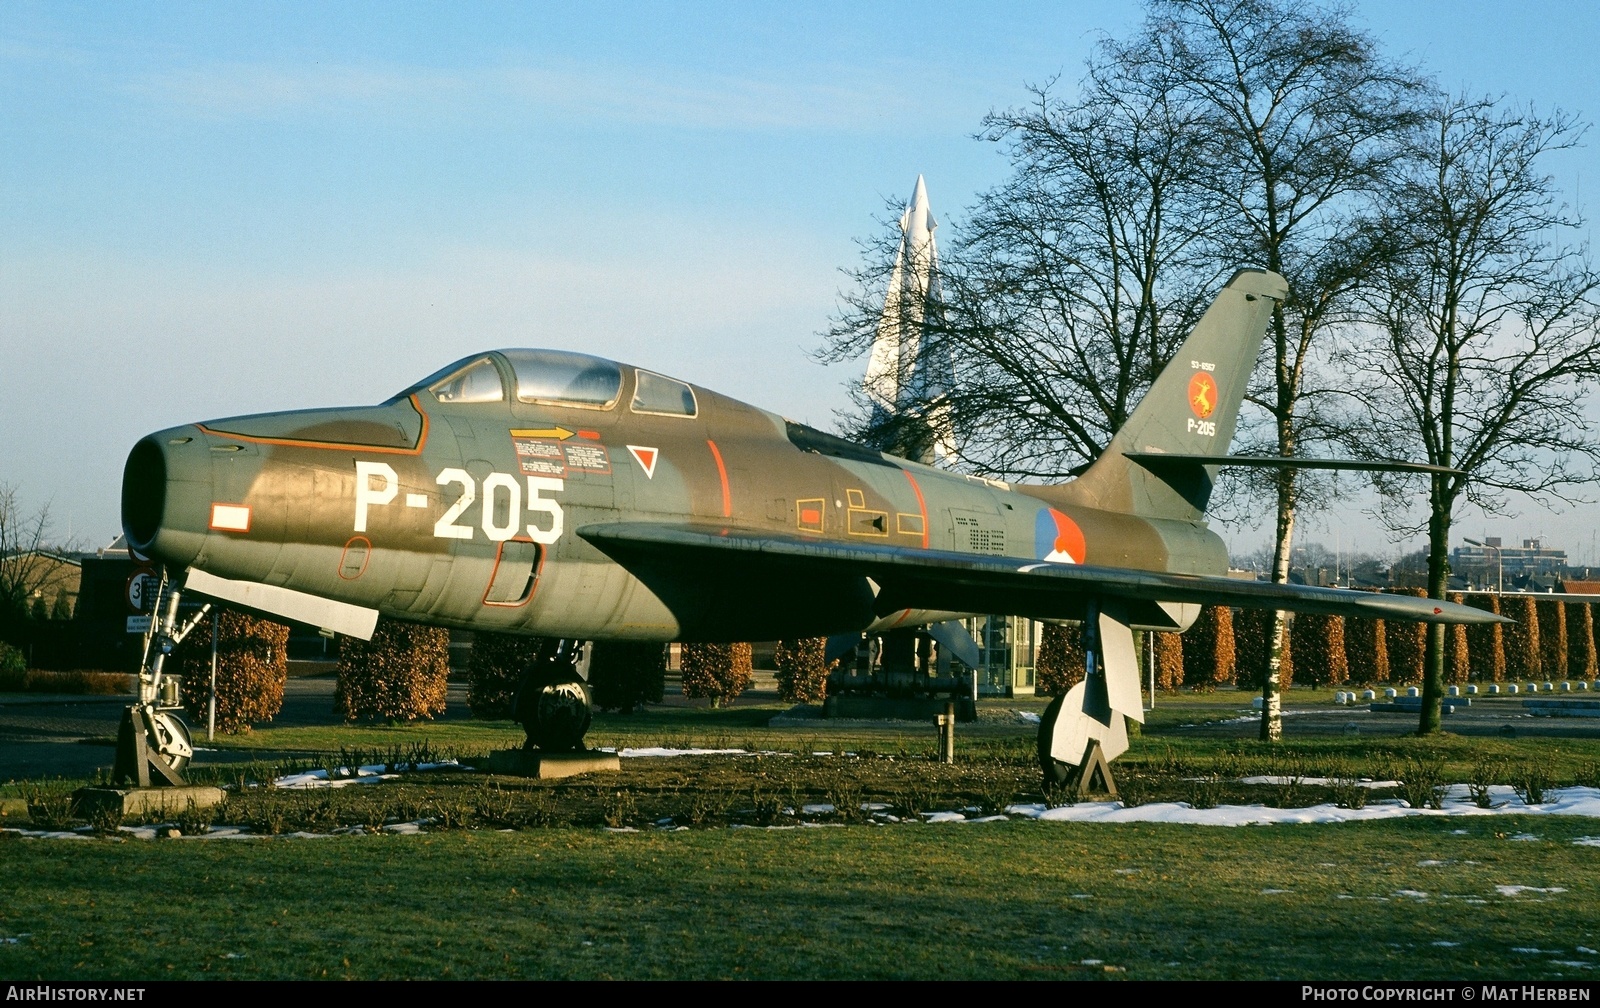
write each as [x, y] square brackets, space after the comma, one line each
[1588, 841]
[1027, 717]
[1446, 944]
[1411, 894]
[1522, 836]
[1517, 890]
[1275, 892]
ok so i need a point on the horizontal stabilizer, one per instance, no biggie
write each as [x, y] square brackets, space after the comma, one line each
[1154, 460]
[325, 614]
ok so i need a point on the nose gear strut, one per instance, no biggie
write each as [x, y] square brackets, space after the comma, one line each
[153, 743]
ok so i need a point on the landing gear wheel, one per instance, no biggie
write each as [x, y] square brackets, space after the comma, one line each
[556, 713]
[172, 741]
[1056, 773]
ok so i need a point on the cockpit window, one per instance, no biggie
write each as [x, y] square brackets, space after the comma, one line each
[570, 379]
[654, 393]
[476, 383]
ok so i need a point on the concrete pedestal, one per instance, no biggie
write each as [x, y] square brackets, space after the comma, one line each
[143, 801]
[545, 765]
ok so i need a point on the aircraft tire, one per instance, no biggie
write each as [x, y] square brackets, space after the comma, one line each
[557, 712]
[1055, 772]
[172, 742]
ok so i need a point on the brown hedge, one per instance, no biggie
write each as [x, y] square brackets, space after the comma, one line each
[1408, 643]
[1251, 630]
[1524, 659]
[1582, 660]
[1457, 648]
[1169, 660]
[1486, 648]
[802, 670]
[718, 671]
[1366, 648]
[1552, 636]
[1059, 664]
[399, 675]
[624, 675]
[1209, 649]
[495, 669]
[252, 668]
[1317, 641]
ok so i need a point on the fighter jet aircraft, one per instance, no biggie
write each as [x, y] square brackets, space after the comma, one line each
[557, 494]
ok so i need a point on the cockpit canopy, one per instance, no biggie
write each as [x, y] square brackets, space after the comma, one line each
[557, 378]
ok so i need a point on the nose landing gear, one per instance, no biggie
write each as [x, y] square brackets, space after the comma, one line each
[553, 702]
[153, 743]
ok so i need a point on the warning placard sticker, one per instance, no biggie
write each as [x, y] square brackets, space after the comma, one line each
[540, 458]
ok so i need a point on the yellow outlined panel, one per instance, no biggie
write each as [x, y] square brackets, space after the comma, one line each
[810, 514]
[910, 524]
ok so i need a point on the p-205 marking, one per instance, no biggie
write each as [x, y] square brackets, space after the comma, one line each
[377, 485]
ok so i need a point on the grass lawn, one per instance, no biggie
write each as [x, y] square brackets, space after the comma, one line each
[1403, 899]
[514, 878]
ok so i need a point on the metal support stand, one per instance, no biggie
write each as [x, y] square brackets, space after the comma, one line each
[135, 759]
[1091, 778]
[947, 733]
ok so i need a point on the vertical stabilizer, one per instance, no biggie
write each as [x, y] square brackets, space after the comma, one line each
[1191, 408]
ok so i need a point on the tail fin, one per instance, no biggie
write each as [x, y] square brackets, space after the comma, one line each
[1191, 409]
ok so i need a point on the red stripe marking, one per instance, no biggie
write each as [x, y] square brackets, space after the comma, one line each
[722, 473]
[921, 505]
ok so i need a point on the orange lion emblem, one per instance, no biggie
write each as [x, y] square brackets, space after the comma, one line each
[1202, 394]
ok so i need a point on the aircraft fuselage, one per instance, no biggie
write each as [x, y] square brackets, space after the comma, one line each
[467, 513]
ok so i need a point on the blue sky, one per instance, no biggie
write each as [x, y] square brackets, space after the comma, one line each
[211, 209]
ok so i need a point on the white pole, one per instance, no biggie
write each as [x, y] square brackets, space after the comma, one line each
[211, 705]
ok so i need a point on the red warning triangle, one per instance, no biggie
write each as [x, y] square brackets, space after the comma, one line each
[647, 458]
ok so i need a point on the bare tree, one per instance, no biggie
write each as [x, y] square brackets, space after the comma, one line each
[26, 564]
[1484, 341]
[1304, 118]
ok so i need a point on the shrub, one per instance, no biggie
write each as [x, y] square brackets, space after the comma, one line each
[1552, 636]
[1408, 643]
[399, 675]
[1366, 648]
[627, 674]
[494, 670]
[1318, 641]
[718, 671]
[12, 664]
[1209, 652]
[803, 669]
[1457, 648]
[1060, 662]
[1169, 660]
[252, 667]
[1523, 653]
[1252, 633]
[1486, 650]
[1582, 661]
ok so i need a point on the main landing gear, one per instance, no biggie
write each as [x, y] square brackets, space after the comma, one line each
[153, 744]
[553, 703]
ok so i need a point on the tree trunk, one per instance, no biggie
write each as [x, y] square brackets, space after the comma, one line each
[1438, 578]
[1278, 636]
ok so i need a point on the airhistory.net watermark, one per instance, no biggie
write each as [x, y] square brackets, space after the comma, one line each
[71, 992]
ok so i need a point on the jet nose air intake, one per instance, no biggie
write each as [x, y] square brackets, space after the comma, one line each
[165, 477]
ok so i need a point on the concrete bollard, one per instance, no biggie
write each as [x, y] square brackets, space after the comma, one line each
[1369, 695]
[1511, 687]
[1472, 690]
[1581, 684]
[1566, 687]
[1455, 691]
[1412, 691]
[1391, 692]
[1533, 687]
[1549, 687]
[1494, 687]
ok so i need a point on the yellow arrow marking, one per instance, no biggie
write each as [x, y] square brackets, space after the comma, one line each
[559, 433]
